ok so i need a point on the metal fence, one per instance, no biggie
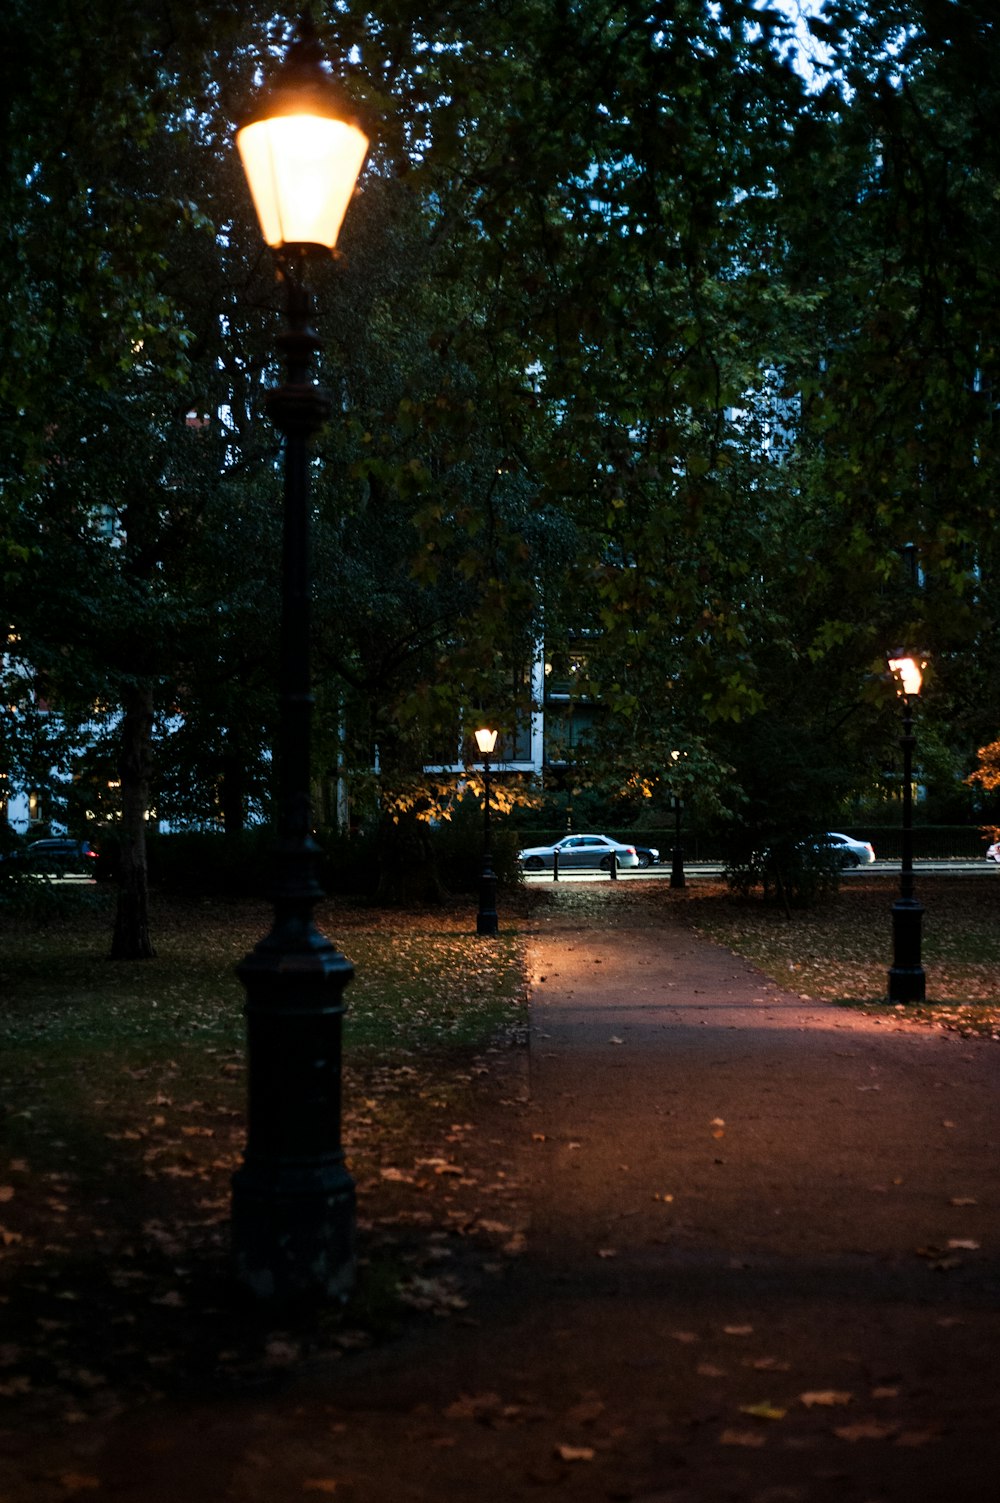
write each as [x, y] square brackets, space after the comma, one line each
[930, 842]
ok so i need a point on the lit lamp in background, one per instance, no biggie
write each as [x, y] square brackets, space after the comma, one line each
[293, 1199]
[486, 918]
[906, 977]
[677, 854]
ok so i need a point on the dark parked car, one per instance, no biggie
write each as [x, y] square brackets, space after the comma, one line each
[648, 855]
[62, 858]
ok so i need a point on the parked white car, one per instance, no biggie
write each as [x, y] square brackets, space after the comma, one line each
[577, 852]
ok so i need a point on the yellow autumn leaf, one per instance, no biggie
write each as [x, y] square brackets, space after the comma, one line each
[764, 1410]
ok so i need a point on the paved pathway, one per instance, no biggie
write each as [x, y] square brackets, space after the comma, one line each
[761, 1265]
[753, 1199]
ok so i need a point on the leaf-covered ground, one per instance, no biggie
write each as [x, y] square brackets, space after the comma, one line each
[122, 1092]
[841, 950]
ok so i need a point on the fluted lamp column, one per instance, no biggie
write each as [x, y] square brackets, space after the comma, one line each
[677, 878]
[906, 975]
[293, 1198]
[486, 919]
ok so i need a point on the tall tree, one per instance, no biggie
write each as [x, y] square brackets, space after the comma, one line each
[114, 274]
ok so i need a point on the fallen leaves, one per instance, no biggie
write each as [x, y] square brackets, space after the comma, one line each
[586, 1412]
[836, 951]
[575, 1453]
[142, 1316]
[764, 1410]
[942, 1259]
[482, 1407]
[865, 1430]
[15, 1386]
[827, 1398]
[437, 1296]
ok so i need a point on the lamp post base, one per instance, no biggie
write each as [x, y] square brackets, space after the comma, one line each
[906, 976]
[293, 1243]
[487, 921]
[293, 1198]
[677, 878]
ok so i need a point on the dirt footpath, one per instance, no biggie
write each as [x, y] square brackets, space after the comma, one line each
[760, 1263]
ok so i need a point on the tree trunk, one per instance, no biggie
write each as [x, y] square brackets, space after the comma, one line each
[131, 937]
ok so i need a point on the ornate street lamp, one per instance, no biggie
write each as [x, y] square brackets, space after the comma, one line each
[486, 918]
[906, 977]
[293, 1199]
[677, 878]
[677, 854]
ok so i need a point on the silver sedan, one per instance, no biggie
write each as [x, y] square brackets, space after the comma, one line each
[577, 852]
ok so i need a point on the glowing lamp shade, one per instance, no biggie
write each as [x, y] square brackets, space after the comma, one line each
[907, 672]
[302, 169]
[486, 741]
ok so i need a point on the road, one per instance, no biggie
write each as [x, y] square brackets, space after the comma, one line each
[695, 869]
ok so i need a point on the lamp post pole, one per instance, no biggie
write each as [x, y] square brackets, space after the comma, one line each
[487, 921]
[677, 855]
[906, 975]
[293, 1198]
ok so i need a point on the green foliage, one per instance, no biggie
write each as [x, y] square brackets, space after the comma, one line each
[794, 873]
[458, 849]
[35, 899]
[634, 343]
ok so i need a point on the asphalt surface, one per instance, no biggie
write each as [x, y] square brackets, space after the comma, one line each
[760, 1263]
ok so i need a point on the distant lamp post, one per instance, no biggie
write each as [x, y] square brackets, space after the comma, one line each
[677, 878]
[293, 1199]
[906, 977]
[677, 854]
[486, 918]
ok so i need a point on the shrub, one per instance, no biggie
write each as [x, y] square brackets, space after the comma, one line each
[795, 873]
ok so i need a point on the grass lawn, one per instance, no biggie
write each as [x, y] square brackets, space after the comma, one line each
[122, 1094]
[841, 950]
